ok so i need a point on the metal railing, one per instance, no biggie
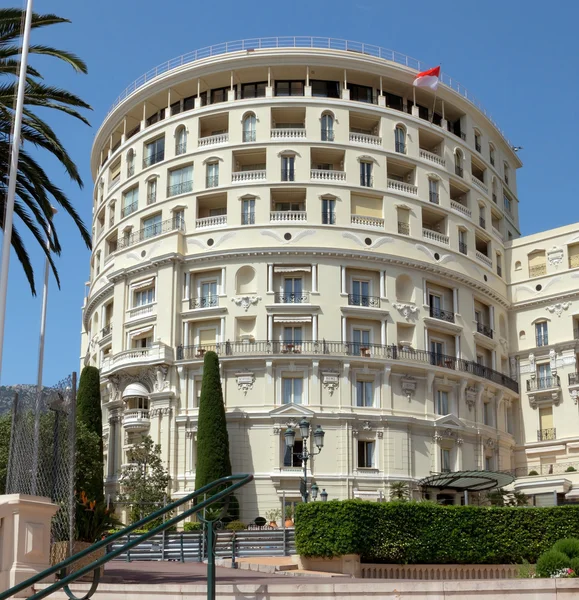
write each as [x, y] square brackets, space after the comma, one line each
[477, 147]
[400, 147]
[248, 218]
[204, 302]
[363, 300]
[327, 135]
[233, 482]
[403, 228]
[433, 197]
[180, 188]
[482, 222]
[106, 330]
[458, 170]
[243, 349]
[180, 149]
[542, 339]
[462, 248]
[129, 209]
[543, 383]
[573, 378]
[366, 180]
[151, 198]
[328, 218]
[151, 231]
[288, 175]
[153, 159]
[212, 181]
[292, 297]
[484, 329]
[444, 315]
[249, 136]
[545, 435]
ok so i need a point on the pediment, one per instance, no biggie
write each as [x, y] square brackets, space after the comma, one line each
[448, 421]
[292, 410]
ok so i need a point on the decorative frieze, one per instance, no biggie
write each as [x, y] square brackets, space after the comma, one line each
[408, 384]
[246, 301]
[330, 381]
[558, 308]
[555, 256]
[245, 381]
[408, 311]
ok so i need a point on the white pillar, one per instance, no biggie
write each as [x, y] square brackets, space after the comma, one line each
[222, 328]
[426, 339]
[344, 338]
[269, 327]
[382, 284]
[186, 333]
[494, 360]
[314, 278]
[315, 328]
[455, 300]
[270, 278]
[383, 333]
[424, 292]
[187, 285]
[492, 317]
[223, 292]
[343, 279]
[457, 345]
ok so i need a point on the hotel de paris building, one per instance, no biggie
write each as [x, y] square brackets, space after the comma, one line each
[340, 242]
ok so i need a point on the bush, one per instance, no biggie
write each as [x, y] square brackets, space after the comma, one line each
[192, 526]
[568, 546]
[533, 472]
[551, 562]
[570, 470]
[574, 564]
[423, 532]
[235, 526]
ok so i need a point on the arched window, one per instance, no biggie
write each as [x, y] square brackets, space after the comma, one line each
[181, 141]
[327, 128]
[249, 128]
[507, 173]
[130, 163]
[458, 163]
[400, 139]
[482, 216]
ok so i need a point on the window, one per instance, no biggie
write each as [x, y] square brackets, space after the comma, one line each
[361, 93]
[477, 143]
[436, 352]
[248, 211]
[287, 168]
[506, 170]
[292, 391]
[507, 204]
[400, 139]
[489, 463]
[499, 264]
[155, 118]
[253, 90]
[327, 128]
[360, 293]
[144, 296]
[366, 454]
[482, 216]
[152, 191]
[219, 95]
[325, 89]
[433, 191]
[179, 219]
[361, 345]
[142, 341]
[487, 413]
[212, 175]
[249, 128]
[509, 419]
[394, 101]
[441, 402]
[189, 103]
[130, 163]
[541, 333]
[445, 460]
[291, 456]
[364, 393]
[130, 201]
[154, 152]
[365, 174]
[458, 163]
[462, 247]
[176, 108]
[328, 211]
[152, 226]
[543, 376]
[492, 155]
[293, 292]
[181, 141]
[112, 214]
[289, 88]
[208, 293]
[180, 181]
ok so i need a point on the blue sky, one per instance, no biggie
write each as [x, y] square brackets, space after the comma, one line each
[519, 59]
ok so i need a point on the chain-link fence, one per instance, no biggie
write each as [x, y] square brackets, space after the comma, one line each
[42, 450]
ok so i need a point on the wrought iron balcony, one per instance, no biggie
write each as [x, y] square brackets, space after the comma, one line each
[288, 175]
[212, 181]
[403, 228]
[484, 329]
[482, 222]
[462, 247]
[459, 171]
[433, 197]
[366, 181]
[153, 159]
[363, 300]
[106, 330]
[328, 218]
[292, 297]
[545, 435]
[542, 339]
[401, 147]
[204, 302]
[477, 147]
[129, 209]
[327, 135]
[573, 378]
[181, 149]
[180, 188]
[249, 136]
[175, 224]
[443, 315]
[248, 218]
[543, 383]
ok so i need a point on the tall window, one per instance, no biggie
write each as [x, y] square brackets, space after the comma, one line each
[152, 226]
[361, 341]
[477, 143]
[248, 211]
[328, 211]
[327, 128]
[462, 247]
[154, 152]
[507, 204]
[144, 296]
[180, 181]
[152, 191]
[441, 402]
[292, 335]
[130, 201]
[360, 293]
[489, 463]
[436, 352]
[293, 288]
[364, 393]
[181, 141]
[249, 128]
[289, 88]
[542, 333]
[433, 191]
[458, 163]
[506, 170]
[366, 454]
[288, 168]
[292, 391]
[487, 413]
[130, 163]
[400, 139]
[445, 460]
[492, 155]
[365, 174]
[212, 175]
[482, 216]
[544, 375]
[208, 291]
[325, 89]
[290, 457]
[361, 93]
[253, 90]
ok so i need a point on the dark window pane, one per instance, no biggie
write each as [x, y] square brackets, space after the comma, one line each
[189, 103]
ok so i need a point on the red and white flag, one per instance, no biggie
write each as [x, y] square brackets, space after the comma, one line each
[428, 78]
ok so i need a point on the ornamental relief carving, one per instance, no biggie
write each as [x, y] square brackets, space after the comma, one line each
[246, 301]
[330, 381]
[245, 381]
[408, 311]
[558, 308]
[555, 256]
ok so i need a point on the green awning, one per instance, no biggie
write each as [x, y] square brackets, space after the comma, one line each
[470, 481]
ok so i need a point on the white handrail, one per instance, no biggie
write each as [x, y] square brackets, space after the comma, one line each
[327, 175]
[287, 215]
[367, 221]
[216, 221]
[242, 176]
[435, 236]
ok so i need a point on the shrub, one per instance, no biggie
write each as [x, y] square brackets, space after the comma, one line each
[533, 472]
[574, 564]
[192, 526]
[551, 562]
[423, 533]
[570, 469]
[568, 546]
[235, 526]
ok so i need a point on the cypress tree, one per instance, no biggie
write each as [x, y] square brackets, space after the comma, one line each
[213, 461]
[89, 418]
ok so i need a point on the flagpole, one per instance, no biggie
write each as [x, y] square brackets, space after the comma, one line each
[11, 192]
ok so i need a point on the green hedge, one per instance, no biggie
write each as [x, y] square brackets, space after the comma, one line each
[423, 532]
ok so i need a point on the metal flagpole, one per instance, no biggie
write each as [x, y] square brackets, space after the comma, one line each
[11, 192]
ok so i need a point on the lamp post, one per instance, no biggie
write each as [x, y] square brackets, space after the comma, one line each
[305, 454]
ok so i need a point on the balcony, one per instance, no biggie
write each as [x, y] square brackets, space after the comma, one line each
[180, 188]
[212, 181]
[180, 149]
[204, 302]
[537, 270]
[365, 138]
[435, 236]
[106, 330]
[138, 312]
[209, 222]
[543, 383]
[248, 176]
[288, 133]
[285, 216]
[484, 259]
[364, 221]
[150, 232]
[292, 297]
[443, 315]
[129, 209]
[403, 228]
[477, 147]
[433, 197]
[327, 175]
[401, 186]
[214, 140]
[157, 353]
[479, 184]
[400, 147]
[460, 208]
[362, 300]
[426, 155]
[249, 136]
[153, 159]
[546, 435]
[136, 420]
[327, 135]
[484, 330]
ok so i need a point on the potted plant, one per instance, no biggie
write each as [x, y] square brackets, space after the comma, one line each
[272, 516]
[289, 515]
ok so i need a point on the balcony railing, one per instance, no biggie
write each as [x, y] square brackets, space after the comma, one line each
[106, 330]
[248, 218]
[484, 329]
[245, 176]
[433, 197]
[153, 159]
[288, 133]
[400, 147]
[204, 302]
[323, 347]
[180, 188]
[499, 271]
[432, 157]
[365, 138]
[479, 184]
[136, 419]
[130, 170]
[328, 218]
[288, 175]
[363, 300]
[206, 222]
[327, 175]
[129, 209]
[292, 297]
[537, 270]
[212, 140]
[573, 378]
[156, 353]
[249, 136]
[401, 186]
[458, 170]
[151, 198]
[543, 383]
[461, 208]
[443, 315]
[403, 228]
[327, 135]
[150, 232]
[462, 248]
[477, 147]
[435, 236]
[546, 435]
[484, 258]
[138, 312]
[212, 181]
[542, 339]
[280, 216]
[367, 221]
[181, 149]
[494, 198]
[366, 180]
[482, 222]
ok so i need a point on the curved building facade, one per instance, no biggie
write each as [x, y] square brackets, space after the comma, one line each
[338, 240]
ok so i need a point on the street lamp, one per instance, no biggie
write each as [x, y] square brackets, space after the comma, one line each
[314, 489]
[305, 454]
[324, 495]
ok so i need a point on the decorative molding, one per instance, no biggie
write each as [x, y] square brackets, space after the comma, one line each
[555, 256]
[574, 395]
[489, 443]
[190, 432]
[361, 240]
[366, 426]
[295, 237]
[162, 411]
[532, 368]
[161, 383]
[459, 441]
[330, 381]
[504, 345]
[409, 384]
[470, 397]
[245, 301]
[245, 381]
[408, 311]
[558, 308]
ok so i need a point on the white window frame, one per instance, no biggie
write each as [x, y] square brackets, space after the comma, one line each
[374, 465]
[364, 380]
[284, 373]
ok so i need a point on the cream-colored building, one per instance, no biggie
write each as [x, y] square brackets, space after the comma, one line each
[340, 244]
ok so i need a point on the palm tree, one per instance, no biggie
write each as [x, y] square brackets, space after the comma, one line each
[35, 192]
[399, 491]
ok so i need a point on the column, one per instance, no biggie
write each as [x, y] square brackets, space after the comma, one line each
[383, 332]
[223, 287]
[269, 278]
[343, 279]
[424, 292]
[315, 279]
[344, 338]
[457, 345]
[455, 300]
[269, 327]
[124, 134]
[382, 284]
[492, 317]
[426, 339]
[494, 360]
[187, 285]
[222, 330]
[315, 328]
[144, 121]
[112, 447]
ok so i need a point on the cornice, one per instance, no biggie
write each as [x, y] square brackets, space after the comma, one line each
[95, 299]
[573, 295]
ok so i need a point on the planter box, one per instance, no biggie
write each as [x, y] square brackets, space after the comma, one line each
[60, 551]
